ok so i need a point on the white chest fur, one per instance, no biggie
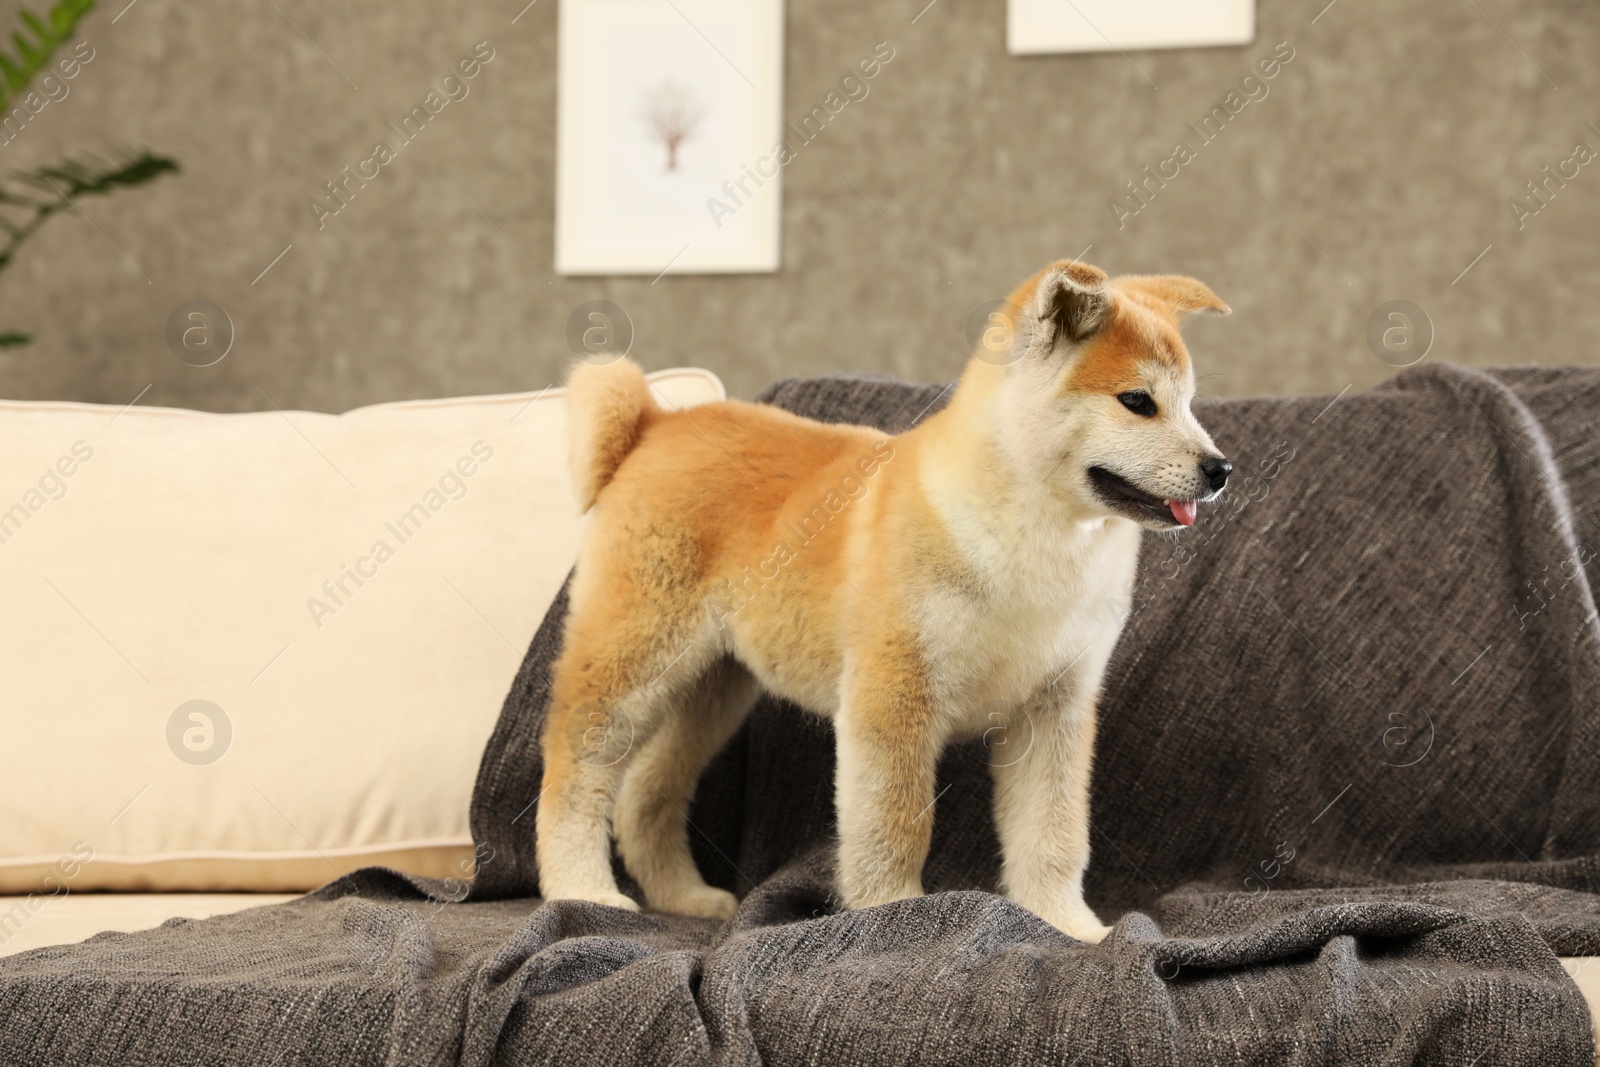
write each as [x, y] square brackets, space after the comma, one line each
[1046, 606]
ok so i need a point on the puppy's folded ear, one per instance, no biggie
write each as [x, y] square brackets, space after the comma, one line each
[1070, 301]
[1180, 294]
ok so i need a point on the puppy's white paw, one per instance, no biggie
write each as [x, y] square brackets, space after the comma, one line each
[702, 902]
[1090, 932]
[610, 899]
[617, 900]
[1078, 922]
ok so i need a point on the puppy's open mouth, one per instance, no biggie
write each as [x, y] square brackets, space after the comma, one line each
[1122, 495]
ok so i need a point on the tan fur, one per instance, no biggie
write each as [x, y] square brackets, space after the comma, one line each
[899, 585]
[606, 406]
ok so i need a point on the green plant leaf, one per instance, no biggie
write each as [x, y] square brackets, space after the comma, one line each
[33, 56]
[40, 30]
[65, 180]
[59, 185]
[75, 178]
[15, 78]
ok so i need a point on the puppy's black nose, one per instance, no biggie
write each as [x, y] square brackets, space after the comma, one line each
[1216, 470]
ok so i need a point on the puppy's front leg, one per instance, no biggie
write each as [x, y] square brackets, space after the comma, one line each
[887, 756]
[1042, 813]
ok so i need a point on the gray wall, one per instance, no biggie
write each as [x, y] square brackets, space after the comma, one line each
[1388, 149]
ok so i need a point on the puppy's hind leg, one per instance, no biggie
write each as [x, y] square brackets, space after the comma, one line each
[653, 807]
[583, 754]
[605, 703]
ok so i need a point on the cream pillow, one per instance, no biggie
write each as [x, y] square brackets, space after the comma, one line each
[254, 652]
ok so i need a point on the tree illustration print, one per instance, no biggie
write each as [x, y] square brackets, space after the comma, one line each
[672, 112]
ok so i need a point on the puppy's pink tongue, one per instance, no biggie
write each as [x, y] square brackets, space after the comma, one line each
[1184, 511]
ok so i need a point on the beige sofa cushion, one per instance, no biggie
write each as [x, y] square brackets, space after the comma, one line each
[41, 921]
[256, 651]
[1585, 971]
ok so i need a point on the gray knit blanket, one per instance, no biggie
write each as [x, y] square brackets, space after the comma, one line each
[1346, 811]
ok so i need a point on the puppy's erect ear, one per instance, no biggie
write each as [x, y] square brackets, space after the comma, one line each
[1178, 293]
[1071, 300]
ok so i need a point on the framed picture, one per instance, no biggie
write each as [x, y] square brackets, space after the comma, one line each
[1124, 25]
[667, 117]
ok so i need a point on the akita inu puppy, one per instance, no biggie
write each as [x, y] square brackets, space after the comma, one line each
[899, 585]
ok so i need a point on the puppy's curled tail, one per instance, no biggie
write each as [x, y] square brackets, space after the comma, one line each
[607, 407]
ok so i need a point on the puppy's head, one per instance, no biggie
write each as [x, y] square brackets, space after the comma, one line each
[1096, 389]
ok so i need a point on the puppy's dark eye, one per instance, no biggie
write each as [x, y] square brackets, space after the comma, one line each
[1138, 402]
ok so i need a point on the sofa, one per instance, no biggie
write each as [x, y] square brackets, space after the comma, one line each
[262, 759]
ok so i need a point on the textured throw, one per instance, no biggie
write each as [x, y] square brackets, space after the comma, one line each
[1347, 811]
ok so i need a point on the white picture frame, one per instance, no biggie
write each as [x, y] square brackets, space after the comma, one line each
[668, 112]
[1035, 26]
